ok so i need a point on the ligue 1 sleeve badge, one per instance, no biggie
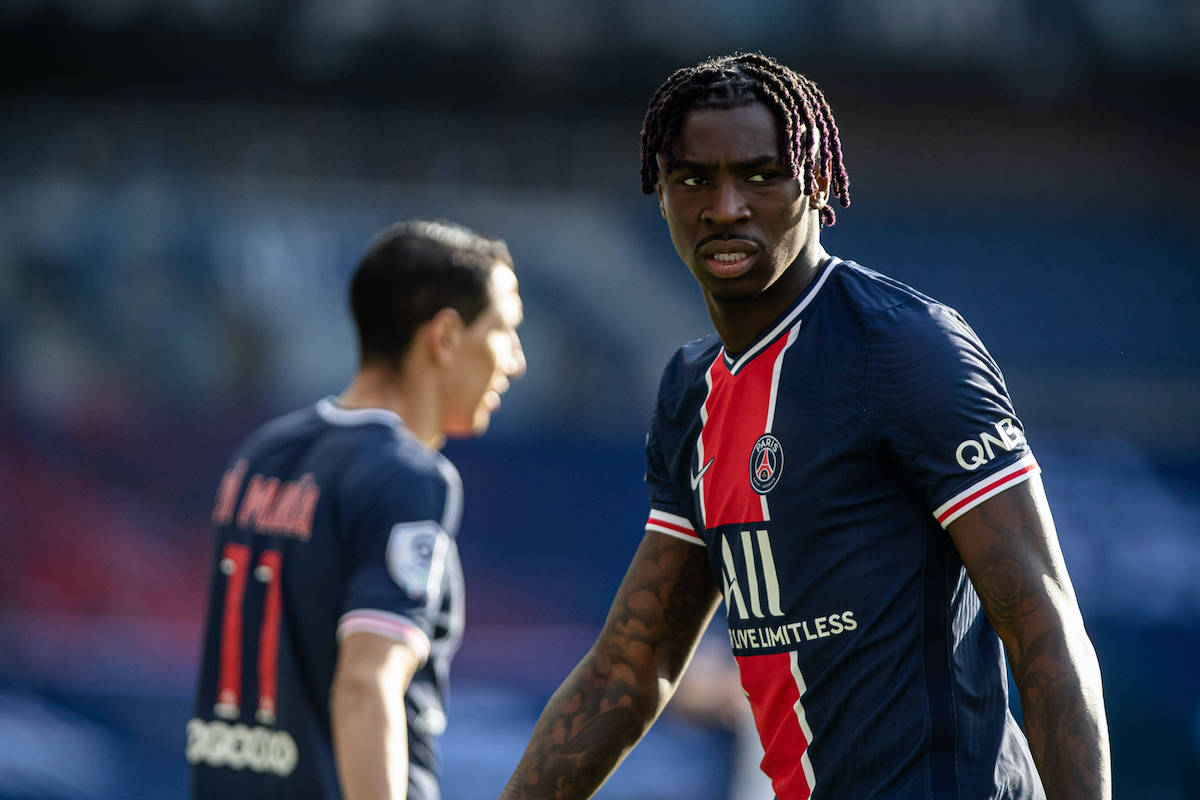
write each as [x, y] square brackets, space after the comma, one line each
[766, 463]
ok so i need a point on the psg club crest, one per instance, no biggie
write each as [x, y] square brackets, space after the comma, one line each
[766, 463]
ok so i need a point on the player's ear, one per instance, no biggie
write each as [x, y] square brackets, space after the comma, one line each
[820, 196]
[442, 334]
[658, 184]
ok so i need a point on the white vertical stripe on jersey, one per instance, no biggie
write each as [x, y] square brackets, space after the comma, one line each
[699, 487]
[788, 320]
[751, 575]
[452, 512]
[455, 617]
[802, 718]
[770, 579]
[776, 368]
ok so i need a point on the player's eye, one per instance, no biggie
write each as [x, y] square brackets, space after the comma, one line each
[761, 177]
[692, 180]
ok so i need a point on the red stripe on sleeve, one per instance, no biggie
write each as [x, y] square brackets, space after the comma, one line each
[655, 521]
[984, 490]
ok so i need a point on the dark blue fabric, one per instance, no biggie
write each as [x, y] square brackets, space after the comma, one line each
[372, 476]
[877, 394]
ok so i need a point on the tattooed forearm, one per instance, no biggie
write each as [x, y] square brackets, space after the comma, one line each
[1061, 731]
[1011, 552]
[613, 695]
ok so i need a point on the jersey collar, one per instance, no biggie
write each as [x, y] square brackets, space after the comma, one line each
[789, 319]
[334, 414]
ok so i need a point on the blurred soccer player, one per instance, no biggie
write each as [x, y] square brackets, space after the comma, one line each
[337, 595]
[842, 462]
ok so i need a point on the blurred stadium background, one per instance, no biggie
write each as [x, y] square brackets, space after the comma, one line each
[186, 184]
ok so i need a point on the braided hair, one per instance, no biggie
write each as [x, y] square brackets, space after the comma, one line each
[741, 79]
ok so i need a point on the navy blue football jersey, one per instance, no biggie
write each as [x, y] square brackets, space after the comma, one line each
[327, 522]
[819, 468]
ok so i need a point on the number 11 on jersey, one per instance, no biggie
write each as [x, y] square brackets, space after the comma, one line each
[235, 565]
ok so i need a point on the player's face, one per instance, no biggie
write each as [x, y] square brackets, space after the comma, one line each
[736, 217]
[488, 357]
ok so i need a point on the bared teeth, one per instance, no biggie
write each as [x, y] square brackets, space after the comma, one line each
[729, 258]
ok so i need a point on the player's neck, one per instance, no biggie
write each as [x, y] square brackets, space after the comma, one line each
[739, 321]
[400, 392]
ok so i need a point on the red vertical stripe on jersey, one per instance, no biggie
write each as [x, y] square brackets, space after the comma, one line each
[736, 408]
[774, 699]
[270, 568]
[235, 563]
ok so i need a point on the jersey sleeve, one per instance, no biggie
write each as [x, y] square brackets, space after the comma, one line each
[667, 514]
[397, 553]
[939, 406]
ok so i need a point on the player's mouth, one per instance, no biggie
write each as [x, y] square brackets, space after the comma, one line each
[728, 258]
[491, 398]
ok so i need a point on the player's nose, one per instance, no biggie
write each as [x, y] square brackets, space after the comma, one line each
[727, 205]
[515, 366]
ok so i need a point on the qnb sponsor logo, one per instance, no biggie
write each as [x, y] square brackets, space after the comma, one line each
[239, 746]
[753, 579]
[974, 453]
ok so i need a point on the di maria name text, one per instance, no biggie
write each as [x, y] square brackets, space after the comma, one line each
[269, 505]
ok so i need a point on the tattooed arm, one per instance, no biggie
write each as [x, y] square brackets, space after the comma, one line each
[1010, 549]
[610, 699]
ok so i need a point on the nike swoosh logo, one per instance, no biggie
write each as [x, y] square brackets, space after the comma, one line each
[696, 478]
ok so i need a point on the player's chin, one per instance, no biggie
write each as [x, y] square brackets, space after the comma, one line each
[733, 287]
[743, 288]
[477, 426]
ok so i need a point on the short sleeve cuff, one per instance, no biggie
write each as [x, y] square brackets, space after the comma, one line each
[986, 487]
[672, 525]
[388, 625]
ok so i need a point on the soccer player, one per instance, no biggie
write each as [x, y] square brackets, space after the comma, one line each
[842, 463]
[336, 600]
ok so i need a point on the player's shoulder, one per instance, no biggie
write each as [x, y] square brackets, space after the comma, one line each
[871, 293]
[694, 358]
[684, 373]
[355, 442]
[405, 461]
[378, 459]
[889, 308]
[280, 432]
